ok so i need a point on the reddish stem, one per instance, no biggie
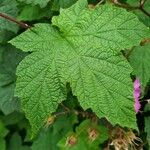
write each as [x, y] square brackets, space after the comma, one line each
[24, 25]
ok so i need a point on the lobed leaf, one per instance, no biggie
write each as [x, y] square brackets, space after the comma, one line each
[81, 47]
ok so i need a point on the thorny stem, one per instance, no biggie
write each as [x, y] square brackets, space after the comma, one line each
[22, 24]
[140, 7]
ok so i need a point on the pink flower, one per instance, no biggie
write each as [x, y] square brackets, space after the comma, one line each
[137, 92]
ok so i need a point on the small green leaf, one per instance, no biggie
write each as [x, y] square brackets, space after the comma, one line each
[46, 140]
[139, 60]
[16, 143]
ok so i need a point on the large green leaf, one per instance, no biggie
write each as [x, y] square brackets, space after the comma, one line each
[85, 52]
[46, 141]
[42, 3]
[8, 7]
[139, 60]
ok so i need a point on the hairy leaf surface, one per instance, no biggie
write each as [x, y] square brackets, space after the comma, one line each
[84, 51]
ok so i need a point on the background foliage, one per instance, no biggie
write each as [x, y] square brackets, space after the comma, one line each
[67, 69]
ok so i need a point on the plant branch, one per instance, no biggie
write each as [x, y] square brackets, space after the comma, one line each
[140, 7]
[144, 11]
[22, 24]
[142, 2]
[117, 3]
